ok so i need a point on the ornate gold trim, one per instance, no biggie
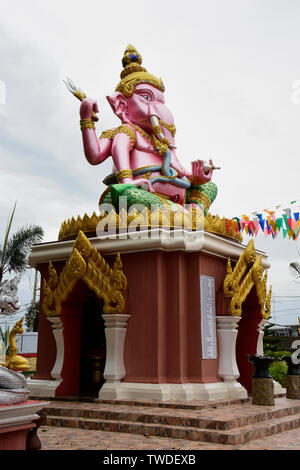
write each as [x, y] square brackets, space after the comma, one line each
[160, 147]
[224, 227]
[127, 84]
[198, 196]
[171, 128]
[85, 263]
[238, 282]
[125, 129]
[213, 224]
[133, 73]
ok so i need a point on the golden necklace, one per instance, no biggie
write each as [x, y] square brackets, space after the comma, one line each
[160, 147]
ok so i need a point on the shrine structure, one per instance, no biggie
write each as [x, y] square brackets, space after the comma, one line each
[155, 299]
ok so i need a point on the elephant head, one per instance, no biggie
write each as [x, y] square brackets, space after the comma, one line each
[139, 98]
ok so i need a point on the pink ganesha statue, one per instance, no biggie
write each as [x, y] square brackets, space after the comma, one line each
[146, 169]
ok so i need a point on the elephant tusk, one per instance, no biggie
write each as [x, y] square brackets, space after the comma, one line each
[155, 124]
[154, 120]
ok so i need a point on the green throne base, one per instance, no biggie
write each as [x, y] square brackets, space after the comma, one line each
[203, 196]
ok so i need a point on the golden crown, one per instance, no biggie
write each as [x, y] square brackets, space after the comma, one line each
[133, 73]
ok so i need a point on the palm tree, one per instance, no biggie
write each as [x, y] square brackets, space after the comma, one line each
[15, 249]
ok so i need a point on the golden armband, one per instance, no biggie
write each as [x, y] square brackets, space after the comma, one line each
[124, 174]
[87, 124]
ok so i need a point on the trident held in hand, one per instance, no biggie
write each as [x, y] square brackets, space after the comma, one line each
[78, 93]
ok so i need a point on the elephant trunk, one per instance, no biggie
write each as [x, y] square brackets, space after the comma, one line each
[157, 129]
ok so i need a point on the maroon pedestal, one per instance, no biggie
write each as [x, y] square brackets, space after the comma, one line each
[163, 341]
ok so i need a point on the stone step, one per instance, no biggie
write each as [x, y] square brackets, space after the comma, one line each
[230, 417]
[237, 436]
[194, 405]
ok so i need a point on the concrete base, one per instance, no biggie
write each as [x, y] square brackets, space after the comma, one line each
[15, 423]
[42, 388]
[168, 392]
[278, 389]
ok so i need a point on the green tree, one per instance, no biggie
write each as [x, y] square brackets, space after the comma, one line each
[15, 249]
[271, 342]
[32, 316]
[272, 348]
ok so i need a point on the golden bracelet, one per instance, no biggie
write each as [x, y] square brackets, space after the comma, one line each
[124, 174]
[87, 124]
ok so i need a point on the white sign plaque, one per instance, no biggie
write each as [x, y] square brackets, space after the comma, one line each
[208, 317]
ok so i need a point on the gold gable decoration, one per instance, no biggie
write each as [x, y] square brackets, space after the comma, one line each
[86, 264]
[238, 282]
[145, 219]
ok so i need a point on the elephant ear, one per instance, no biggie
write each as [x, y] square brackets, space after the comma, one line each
[118, 103]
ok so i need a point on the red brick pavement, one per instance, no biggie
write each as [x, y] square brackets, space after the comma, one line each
[229, 416]
[57, 438]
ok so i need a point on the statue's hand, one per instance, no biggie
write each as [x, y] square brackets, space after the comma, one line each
[143, 183]
[88, 108]
[200, 175]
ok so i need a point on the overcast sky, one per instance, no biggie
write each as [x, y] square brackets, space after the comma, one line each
[229, 68]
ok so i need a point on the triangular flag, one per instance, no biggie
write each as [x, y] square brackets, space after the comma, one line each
[279, 223]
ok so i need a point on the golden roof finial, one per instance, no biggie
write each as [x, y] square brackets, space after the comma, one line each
[133, 73]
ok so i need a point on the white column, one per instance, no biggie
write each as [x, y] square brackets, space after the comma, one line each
[47, 388]
[227, 332]
[115, 332]
[57, 327]
[260, 344]
[228, 369]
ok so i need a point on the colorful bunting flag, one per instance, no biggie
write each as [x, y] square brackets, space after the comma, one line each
[287, 223]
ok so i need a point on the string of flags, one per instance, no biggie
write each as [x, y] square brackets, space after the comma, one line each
[271, 222]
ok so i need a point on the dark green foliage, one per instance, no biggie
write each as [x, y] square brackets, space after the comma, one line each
[272, 348]
[14, 253]
[32, 316]
[278, 371]
[271, 342]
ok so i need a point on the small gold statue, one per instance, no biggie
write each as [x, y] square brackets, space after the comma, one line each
[14, 361]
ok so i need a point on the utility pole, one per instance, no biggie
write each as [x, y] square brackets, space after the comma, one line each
[33, 301]
[273, 307]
